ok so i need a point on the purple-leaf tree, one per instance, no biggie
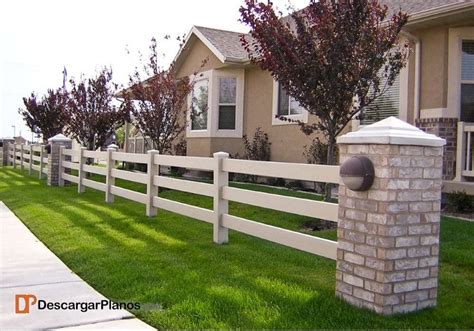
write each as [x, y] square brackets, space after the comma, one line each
[46, 117]
[93, 116]
[158, 103]
[331, 57]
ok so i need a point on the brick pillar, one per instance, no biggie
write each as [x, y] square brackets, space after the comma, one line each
[388, 236]
[445, 128]
[7, 142]
[53, 157]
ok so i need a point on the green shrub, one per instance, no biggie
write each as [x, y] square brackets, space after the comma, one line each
[276, 181]
[257, 150]
[459, 202]
[317, 153]
[295, 185]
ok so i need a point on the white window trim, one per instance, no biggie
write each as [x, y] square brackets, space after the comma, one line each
[239, 75]
[205, 75]
[456, 37]
[213, 105]
[303, 117]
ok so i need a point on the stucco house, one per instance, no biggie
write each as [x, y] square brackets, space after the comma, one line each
[435, 91]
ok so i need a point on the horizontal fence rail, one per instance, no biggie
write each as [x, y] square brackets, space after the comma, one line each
[33, 157]
[36, 158]
[295, 171]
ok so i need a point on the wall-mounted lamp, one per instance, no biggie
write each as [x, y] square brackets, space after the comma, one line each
[358, 173]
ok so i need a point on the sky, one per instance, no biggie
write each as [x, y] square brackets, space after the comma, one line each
[39, 38]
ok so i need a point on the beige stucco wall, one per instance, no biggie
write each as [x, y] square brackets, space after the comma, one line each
[437, 68]
[193, 58]
[434, 68]
[287, 140]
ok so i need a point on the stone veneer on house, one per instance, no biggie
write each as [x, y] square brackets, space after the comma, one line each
[445, 128]
[388, 236]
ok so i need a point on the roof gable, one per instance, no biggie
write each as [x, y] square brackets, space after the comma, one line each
[225, 45]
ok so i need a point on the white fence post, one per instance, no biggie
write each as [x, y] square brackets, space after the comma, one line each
[30, 169]
[151, 189]
[21, 157]
[41, 165]
[14, 156]
[61, 168]
[109, 180]
[40, 175]
[80, 186]
[221, 206]
[460, 153]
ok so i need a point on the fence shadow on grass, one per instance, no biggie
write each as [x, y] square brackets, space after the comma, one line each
[171, 260]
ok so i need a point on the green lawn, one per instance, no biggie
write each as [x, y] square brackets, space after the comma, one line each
[171, 261]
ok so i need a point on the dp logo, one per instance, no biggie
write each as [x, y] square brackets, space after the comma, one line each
[23, 302]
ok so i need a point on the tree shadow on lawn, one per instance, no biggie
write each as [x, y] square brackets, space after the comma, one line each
[171, 260]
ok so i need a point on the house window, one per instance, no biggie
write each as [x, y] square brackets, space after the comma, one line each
[467, 81]
[199, 105]
[385, 105]
[216, 104]
[287, 105]
[227, 103]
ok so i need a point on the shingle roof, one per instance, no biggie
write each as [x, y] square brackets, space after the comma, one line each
[229, 45]
[417, 6]
[227, 42]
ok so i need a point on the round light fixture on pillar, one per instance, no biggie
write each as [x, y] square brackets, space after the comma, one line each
[357, 173]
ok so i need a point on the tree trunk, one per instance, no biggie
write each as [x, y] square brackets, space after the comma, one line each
[331, 160]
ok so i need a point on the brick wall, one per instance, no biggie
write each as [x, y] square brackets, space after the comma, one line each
[445, 128]
[388, 245]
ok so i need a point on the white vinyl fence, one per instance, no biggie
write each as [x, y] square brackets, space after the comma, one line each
[33, 157]
[219, 190]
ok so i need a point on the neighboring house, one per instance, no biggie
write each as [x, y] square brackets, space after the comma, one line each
[19, 140]
[435, 91]
[239, 97]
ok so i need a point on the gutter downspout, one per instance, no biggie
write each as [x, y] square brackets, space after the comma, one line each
[416, 105]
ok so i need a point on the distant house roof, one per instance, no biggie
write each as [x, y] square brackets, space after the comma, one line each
[227, 47]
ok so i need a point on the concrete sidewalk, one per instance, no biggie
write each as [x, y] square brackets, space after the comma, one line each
[29, 267]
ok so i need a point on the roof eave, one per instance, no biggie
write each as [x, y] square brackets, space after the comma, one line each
[438, 12]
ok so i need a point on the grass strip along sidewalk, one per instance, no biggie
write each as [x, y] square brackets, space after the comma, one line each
[171, 261]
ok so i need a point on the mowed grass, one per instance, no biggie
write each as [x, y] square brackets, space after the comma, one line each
[171, 262]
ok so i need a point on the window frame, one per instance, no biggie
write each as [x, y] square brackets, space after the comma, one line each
[225, 104]
[190, 133]
[456, 38]
[464, 81]
[213, 131]
[303, 117]
[207, 111]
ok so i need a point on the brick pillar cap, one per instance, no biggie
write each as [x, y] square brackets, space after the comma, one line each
[7, 139]
[391, 131]
[59, 138]
[113, 146]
